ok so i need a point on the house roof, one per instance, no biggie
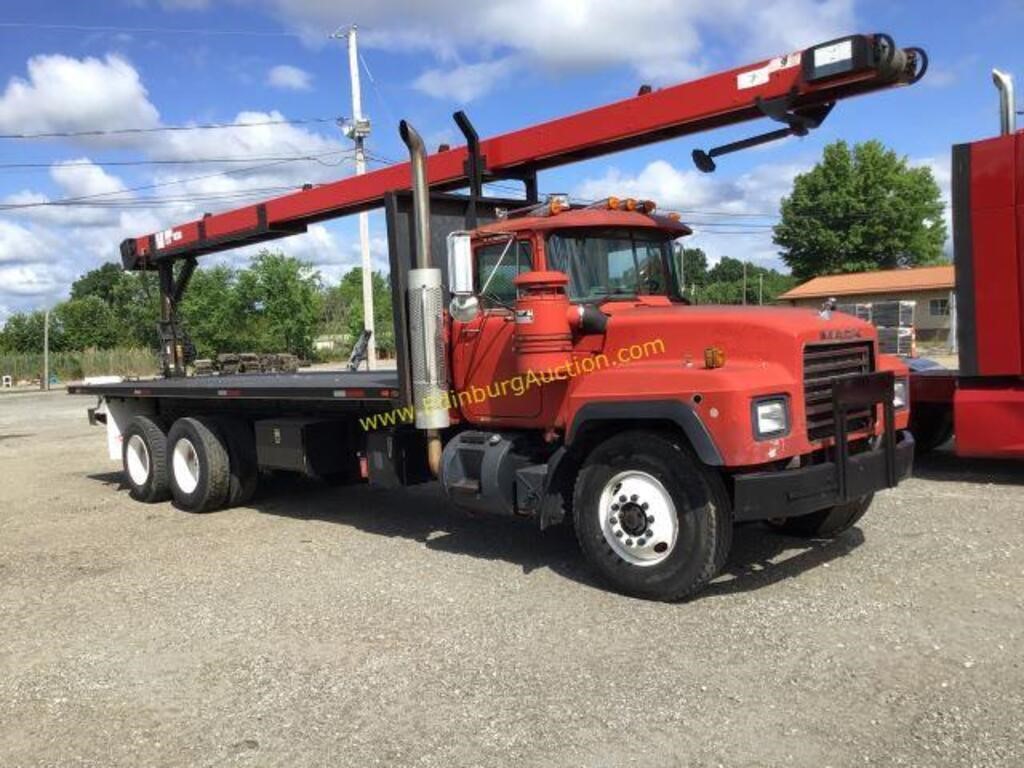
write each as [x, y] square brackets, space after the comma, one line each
[883, 281]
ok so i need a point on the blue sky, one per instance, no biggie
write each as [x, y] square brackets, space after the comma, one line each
[157, 63]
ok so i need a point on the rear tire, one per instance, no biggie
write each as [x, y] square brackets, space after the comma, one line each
[650, 518]
[238, 437]
[198, 465]
[144, 458]
[826, 523]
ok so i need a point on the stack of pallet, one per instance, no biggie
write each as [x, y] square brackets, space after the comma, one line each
[894, 321]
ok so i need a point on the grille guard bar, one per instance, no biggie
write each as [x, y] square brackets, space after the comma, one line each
[859, 392]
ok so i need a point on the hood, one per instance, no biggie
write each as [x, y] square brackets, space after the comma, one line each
[751, 333]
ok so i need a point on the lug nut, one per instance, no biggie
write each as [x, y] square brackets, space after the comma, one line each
[644, 506]
[613, 520]
[615, 507]
[649, 533]
[622, 499]
[640, 543]
[629, 542]
[618, 534]
[650, 518]
[634, 497]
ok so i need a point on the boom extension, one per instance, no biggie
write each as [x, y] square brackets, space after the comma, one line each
[797, 88]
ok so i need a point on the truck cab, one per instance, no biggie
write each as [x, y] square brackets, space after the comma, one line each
[568, 332]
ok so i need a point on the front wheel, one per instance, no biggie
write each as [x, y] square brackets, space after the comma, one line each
[650, 518]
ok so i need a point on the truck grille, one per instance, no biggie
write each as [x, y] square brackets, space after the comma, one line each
[823, 363]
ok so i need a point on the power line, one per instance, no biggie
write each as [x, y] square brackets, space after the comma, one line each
[169, 128]
[171, 182]
[149, 30]
[171, 161]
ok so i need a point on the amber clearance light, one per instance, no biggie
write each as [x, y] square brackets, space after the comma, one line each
[714, 357]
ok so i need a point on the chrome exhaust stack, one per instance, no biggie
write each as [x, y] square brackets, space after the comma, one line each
[1007, 105]
[426, 312]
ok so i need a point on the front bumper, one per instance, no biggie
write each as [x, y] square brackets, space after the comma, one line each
[793, 492]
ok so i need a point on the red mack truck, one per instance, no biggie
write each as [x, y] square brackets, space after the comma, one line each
[652, 426]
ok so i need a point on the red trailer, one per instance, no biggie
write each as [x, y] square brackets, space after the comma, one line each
[982, 402]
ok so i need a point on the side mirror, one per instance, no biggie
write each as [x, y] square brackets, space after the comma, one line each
[464, 306]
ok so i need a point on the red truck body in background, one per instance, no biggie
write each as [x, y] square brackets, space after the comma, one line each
[982, 403]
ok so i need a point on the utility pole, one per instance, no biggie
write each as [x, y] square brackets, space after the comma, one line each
[760, 289]
[46, 350]
[357, 129]
[744, 282]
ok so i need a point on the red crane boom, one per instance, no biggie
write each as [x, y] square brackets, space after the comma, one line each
[797, 89]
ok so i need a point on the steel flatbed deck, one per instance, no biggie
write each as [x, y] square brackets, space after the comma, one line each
[371, 387]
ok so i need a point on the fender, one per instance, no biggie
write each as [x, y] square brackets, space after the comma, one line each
[675, 411]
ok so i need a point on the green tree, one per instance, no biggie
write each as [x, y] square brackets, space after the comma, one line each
[343, 309]
[861, 210]
[87, 323]
[100, 282]
[727, 270]
[135, 302]
[692, 266]
[725, 283]
[23, 332]
[280, 297]
[212, 314]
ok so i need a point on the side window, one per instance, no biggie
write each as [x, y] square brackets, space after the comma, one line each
[497, 273]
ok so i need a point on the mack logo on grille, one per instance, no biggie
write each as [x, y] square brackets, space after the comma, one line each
[840, 334]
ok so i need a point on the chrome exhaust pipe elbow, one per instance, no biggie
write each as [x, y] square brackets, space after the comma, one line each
[1007, 104]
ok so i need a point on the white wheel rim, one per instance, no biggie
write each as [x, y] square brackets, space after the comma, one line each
[185, 464]
[136, 459]
[638, 518]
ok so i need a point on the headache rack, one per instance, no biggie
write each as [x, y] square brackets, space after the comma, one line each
[822, 364]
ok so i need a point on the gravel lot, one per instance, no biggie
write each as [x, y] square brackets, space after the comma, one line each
[353, 627]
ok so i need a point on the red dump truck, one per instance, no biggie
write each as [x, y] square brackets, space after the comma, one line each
[982, 402]
[549, 367]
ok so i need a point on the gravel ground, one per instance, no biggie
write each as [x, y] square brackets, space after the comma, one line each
[353, 627]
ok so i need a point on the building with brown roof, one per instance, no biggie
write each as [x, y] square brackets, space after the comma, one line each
[930, 287]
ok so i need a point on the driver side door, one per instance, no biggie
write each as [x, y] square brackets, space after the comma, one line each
[484, 356]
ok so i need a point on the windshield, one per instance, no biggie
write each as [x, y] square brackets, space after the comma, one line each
[604, 263]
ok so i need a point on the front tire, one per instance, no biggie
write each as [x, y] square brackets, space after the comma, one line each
[827, 523]
[199, 465]
[650, 518]
[144, 457]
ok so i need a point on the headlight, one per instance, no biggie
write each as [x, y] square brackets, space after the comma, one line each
[771, 417]
[899, 394]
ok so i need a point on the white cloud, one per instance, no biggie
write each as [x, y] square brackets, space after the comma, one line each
[465, 82]
[289, 78]
[66, 94]
[943, 174]
[83, 178]
[43, 247]
[659, 40]
[729, 216]
[20, 245]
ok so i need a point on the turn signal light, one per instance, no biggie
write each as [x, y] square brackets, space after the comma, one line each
[613, 203]
[629, 204]
[714, 357]
[557, 205]
[675, 216]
